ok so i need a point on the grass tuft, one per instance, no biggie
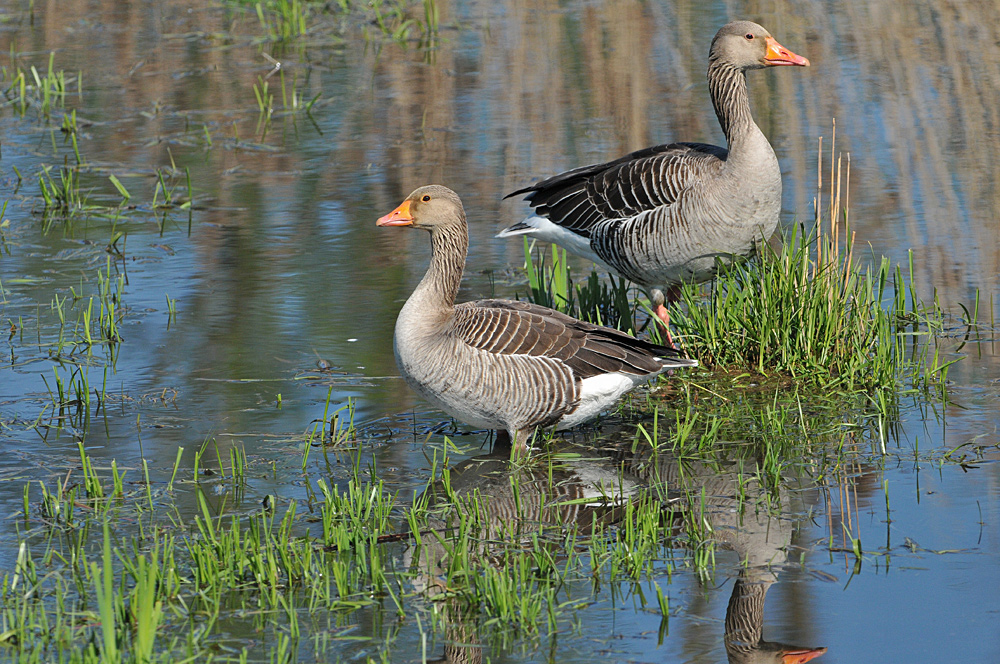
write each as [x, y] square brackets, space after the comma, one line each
[550, 284]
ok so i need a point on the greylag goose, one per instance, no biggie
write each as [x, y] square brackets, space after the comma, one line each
[505, 365]
[672, 213]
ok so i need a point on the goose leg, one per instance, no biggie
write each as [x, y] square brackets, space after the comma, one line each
[521, 438]
[660, 309]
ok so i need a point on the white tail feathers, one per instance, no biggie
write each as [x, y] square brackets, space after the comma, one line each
[519, 228]
[543, 229]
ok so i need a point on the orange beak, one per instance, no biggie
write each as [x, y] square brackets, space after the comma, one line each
[804, 655]
[399, 217]
[779, 55]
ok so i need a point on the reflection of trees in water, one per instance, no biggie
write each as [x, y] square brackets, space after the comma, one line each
[928, 167]
[578, 88]
[546, 87]
[730, 509]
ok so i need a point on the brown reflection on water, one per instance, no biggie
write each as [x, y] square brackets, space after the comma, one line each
[914, 88]
[548, 87]
[287, 263]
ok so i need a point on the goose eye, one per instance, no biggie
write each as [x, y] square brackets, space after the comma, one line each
[749, 35]
[425, 198]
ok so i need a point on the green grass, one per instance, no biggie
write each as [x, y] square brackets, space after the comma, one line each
[72, 188]
[292, 98]
[80, 334]
[551, 284]
[397, 20]
[285, 19]
[161, 594]
[838, 322]
[25, 87]
[62, 194]
[64, 197]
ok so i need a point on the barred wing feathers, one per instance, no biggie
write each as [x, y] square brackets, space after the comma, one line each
[506, 327]
[645, 180]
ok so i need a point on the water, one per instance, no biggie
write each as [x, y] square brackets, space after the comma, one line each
[279, 265]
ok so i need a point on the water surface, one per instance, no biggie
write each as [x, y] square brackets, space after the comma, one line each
[284, 286]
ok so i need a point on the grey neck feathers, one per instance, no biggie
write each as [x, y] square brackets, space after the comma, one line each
[439, 287]
[728, 87]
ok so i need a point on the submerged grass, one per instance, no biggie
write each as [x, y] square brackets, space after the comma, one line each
[26, 88]
[398, 20]
[488, 555]
[458, 554]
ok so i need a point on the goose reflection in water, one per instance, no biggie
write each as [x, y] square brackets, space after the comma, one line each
[745, 621]
[591, 492]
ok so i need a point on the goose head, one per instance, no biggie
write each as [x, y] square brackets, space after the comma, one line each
[429, 207]
[746, 45]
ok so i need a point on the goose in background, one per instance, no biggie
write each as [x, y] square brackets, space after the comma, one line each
[673, 213]
[500, 364]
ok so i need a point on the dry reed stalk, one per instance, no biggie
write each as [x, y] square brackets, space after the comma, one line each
[833, 192]
[817, 206]
[839, 190]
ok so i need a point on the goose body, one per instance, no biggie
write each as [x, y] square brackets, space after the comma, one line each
[674, 213]
[500, 364]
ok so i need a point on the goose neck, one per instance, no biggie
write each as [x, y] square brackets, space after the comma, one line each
[728, 87]
[439, 287]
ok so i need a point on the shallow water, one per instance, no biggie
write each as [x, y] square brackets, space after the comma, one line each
[279, 265]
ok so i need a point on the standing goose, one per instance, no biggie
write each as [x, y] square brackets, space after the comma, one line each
[501, 364]
[671, 213]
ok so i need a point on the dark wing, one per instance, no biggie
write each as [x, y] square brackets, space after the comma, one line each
[507, 327]
[641, 181]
